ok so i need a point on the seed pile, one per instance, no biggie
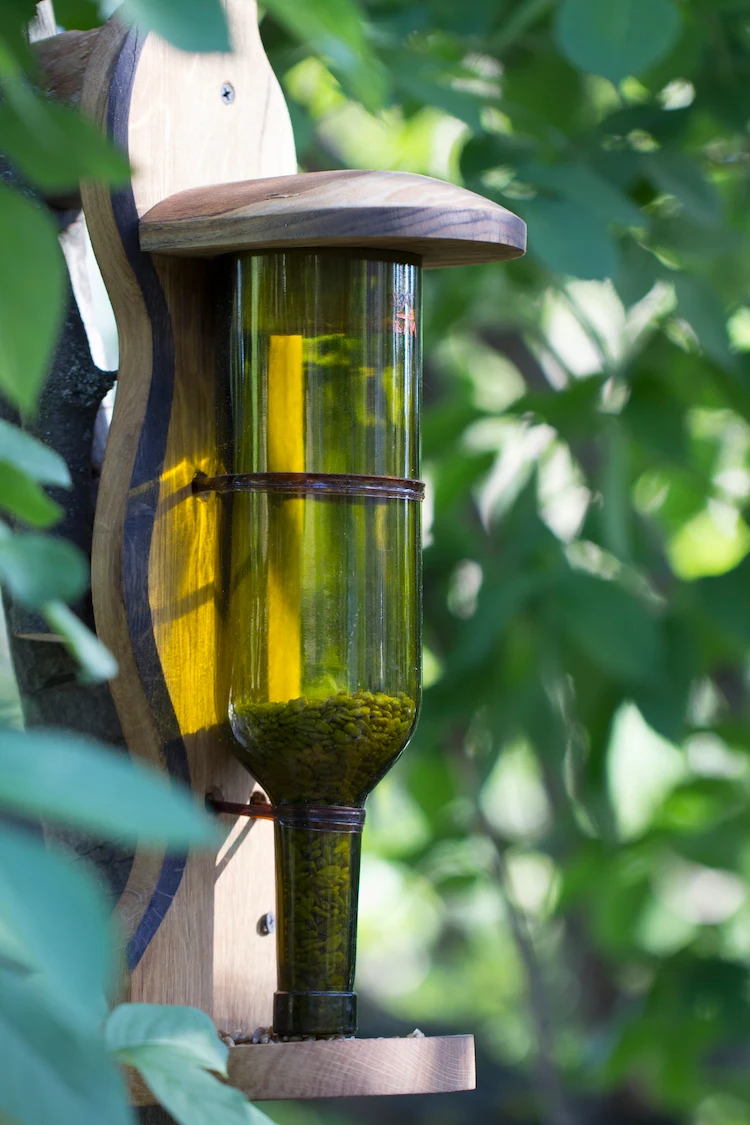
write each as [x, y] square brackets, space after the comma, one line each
[266, 1035]
[326, 751]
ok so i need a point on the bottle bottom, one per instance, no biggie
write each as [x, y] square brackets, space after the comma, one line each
[315, 1013]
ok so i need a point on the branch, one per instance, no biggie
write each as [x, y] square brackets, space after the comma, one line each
[551, 1087]
[63, 60]
[44, 24]
[510, 343]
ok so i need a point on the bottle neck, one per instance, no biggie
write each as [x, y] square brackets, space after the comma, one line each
[318, 853]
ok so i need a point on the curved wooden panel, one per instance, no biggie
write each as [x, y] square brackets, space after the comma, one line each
[155, 568]
[445, 224]
[134, 326]
[437, 1064]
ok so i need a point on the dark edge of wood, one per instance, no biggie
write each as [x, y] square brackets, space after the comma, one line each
[144, 493]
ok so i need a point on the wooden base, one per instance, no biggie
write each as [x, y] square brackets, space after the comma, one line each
[348, 1068]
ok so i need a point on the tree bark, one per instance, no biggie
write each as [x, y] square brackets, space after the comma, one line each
[62, 60]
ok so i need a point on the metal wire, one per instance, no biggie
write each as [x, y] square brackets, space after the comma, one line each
[305, 484]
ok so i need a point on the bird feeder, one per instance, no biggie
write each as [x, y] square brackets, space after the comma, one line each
[256, 565]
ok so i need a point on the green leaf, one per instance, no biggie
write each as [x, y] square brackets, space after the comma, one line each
[32, 296]
[36, 459]
[457, 475]
[67, 779]
[78, 15]
[334, 29]
[724, 599]
[609, 626]
[191, 1095]
[526, 86]
[96, 661]
[50, 1073]
[39, 569]
[618, 905]
[574, 411]
[619, 38]
[700, 803]
[191, 25]
[663, 701]
[665, 125]
[569, 239]
[446, 422]
[682, 177]
[656, 419]
[584, 187]
[55, 913]
[23, 498]
[638, 274]
[60, 149]
[185, 1031]
[522, 17]
[700, 305]
[15, 16]
[423, 86]
[490, 150]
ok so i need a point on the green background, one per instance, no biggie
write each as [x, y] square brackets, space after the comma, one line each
[560, 861]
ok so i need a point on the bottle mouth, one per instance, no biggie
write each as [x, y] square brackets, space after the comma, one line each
[320, 818]
[315, 1013]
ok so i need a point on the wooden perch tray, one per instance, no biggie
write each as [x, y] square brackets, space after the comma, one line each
[444, 224]
[344, 1069]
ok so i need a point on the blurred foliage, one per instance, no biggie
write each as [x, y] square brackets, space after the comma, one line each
[566, 840]
[561, 860]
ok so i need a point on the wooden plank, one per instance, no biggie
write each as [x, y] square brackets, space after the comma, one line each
[184, 134]
[345, 1068]
[177, 574]
[191, 924]
[444, 224]
[244, 955]
[134, 328]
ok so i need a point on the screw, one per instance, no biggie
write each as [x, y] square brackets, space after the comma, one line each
[266, 924]
[227, 93]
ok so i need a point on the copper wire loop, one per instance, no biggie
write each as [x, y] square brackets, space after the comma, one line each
[321, 818]
[305, 484]
[261, 810]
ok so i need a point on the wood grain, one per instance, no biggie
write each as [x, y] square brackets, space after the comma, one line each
[155, 568]
[183, 135]
[349, 1068]
[444, 224]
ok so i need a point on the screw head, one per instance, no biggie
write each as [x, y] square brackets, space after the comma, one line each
[227, 93]
[266, 924]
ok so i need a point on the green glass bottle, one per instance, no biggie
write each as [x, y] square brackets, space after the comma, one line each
[324, 612]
